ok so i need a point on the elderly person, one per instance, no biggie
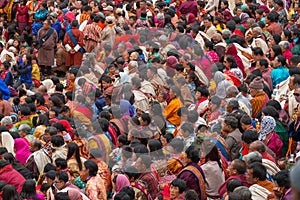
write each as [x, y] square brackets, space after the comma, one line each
[259, 97]
[258, 41]
[269, 136]
[24, 131]
[285, 47]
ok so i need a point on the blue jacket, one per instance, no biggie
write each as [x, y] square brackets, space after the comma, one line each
[9, 79]
[41, 14]
[35, 28]
[4, 89]
[278, 75]
[25, 74]
[56, 26]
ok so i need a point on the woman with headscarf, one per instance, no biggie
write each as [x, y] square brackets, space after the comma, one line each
[120, 181]
[22, 150]
[222, 84]
[269, 136]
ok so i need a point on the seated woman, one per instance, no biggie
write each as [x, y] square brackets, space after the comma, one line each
[6, 74]
[25, 72]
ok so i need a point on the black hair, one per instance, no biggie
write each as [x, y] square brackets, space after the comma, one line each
[231, 121]
[57, 140]
[259, 171]
[61, 163]
[270, 111]
[51, 174]
[203, 90]
[62, 176]
[264, 62]
[282, 60]
[193, 153]
[74, 149]
[239, 166]
[62, 196]
[250, 136]
[177, 144]
[129, 191]
[92, 167]
[28, 190]
[282, 179]
[181, 184]
[232, 184]
[9, 192]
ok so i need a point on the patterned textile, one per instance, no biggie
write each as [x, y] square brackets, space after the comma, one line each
[95, 188]
[268, 124]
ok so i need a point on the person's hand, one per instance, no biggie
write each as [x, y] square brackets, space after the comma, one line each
[72, 51]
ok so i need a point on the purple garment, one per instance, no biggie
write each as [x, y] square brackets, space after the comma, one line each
[191, 179]
[22, 150]
[188, 7]
[288, 195]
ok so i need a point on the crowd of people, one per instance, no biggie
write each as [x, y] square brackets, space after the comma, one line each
[144, 100]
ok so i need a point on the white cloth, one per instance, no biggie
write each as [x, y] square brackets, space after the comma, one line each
[7, 141]
[258, 192]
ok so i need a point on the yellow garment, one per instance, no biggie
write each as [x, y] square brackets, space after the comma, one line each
[36, 72]
[218, 27]
[39, 131]
[8, 9]
[73, 167]
[170, 111]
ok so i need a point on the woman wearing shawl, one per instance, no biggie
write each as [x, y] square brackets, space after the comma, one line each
[231, 50]
[269, 136]
[22, 150]
[222, 84]
[120, 181]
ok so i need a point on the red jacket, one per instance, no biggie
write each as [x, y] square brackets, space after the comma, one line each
[223, 188]
[12, 177]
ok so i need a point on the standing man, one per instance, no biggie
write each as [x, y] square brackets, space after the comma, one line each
[74, 45]
[47, 39]
[92, 34]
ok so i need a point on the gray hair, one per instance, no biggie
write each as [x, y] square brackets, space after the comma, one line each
[25, 128]
[244, 192]
[252, 157]
[226, 32]
[284, 44]
[6, 121]
[258, 29]
[232, 90]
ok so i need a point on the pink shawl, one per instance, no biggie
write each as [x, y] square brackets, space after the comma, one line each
[22, 150]
[122, 181]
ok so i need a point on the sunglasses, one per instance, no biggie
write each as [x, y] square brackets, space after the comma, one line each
[296, 94]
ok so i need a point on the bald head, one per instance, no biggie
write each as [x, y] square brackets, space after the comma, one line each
[257, 146]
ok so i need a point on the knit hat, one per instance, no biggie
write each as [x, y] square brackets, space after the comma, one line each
[172, 61]
[257, 83]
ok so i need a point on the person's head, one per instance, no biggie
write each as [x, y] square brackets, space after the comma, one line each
[232, 184]
[262, 64]
[275, 51]
[57, 141]
[143, 163]
[279, 61]
[253, 157]
[214, 103]
[47, 24]
[35, 146]
[230, 124]
[230, 62]
[236, 167]
[207, 21]
[256, 86]
[282, 182]
[202, 92]
[257, 53]
[24, 130]
[91, 168]
[232, 91]
[256, 172]
[191, 195]
[62, 196]
[192, 154]
[187, 129]
[249, 136]
[49, 132]
[28, 189]
[232, 105]
[50, 177]
[177, 187]
[10, 192]
[61, 179]
[244, 192]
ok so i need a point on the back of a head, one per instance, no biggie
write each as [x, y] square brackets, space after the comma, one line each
[244, 192]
